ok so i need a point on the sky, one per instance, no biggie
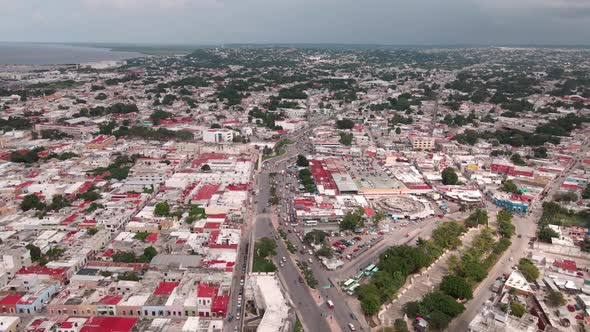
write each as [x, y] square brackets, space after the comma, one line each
[395, 22]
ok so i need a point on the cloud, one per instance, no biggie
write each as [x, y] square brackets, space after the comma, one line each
[147, 4]
[37, 15]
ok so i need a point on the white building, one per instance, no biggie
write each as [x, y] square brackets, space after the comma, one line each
[218, 135]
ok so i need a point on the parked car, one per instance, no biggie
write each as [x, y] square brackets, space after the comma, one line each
[571, 308]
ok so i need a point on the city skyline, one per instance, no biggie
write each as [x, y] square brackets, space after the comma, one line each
[424, 22]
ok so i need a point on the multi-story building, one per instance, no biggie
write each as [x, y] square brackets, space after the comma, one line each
[218, 136]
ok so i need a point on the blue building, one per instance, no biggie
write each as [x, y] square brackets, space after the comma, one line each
[512, 206]
[36, 297]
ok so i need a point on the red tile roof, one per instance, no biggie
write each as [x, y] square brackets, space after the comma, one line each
[369, 212]
[110, 300]
[35, 269]
[109, 324]
[166, 288]
[204, 290]
[206, 192]
[11, 299]
[152, 237]
[566, 265]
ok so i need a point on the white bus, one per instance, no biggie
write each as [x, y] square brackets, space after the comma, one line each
[352, 288]
[311, 222]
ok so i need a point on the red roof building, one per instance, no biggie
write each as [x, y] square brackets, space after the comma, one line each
[51, 274]
[566, 265]
[109, 324]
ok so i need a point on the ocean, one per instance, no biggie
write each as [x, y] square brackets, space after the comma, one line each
[57, 54]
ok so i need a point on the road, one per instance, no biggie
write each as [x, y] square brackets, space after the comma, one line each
[301, 297]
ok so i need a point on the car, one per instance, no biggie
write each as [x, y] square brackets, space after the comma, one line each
[351, 327]
[579, 317]
[284, 259]
[300, 279]
[281, 264]
[352, 316]
[571, 308]
[330, 304]
[310, 261]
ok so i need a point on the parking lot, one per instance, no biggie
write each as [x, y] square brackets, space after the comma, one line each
[367, 173]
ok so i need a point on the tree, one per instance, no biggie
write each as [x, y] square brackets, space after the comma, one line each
[449, 177]
[124, 257]
[528, 270]
[345, 138]
[162, 209]
[325, 251]
[400, 325]
[398, 130]
[505, 227]
[437, 300]
[368, 295]
[540, 152]
[546, 233]
[412, 309]
[509, 187]
[517, 309]
[344, 124]
[148, 254]
[517, 160]
[438, 320]
[266, 247]
[568, 196]
[315, 237]
[473, 270]
[378, 217]
[34, 251]
[456, 287]
[91, 231]
[447, 234]
[479, 217]
[302, 161]
[352, 220]
[555, 298]
[586, 192]
[31, 202]
[141, 236]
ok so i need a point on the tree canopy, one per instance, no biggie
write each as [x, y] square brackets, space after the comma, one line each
[449, 177]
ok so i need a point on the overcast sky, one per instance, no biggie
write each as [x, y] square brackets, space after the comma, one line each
[298, 21]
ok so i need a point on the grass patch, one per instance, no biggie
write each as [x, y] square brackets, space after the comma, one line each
[264, 249]
[298, 327]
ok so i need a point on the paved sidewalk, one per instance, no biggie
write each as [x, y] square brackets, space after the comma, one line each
[419, 284]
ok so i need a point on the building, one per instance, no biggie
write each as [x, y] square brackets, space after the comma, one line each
[519, 283]
[9, 324]
[74, 131]
[218, 135]
[423, 143]
[101, 142]
[494, 320]
[270, 300]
